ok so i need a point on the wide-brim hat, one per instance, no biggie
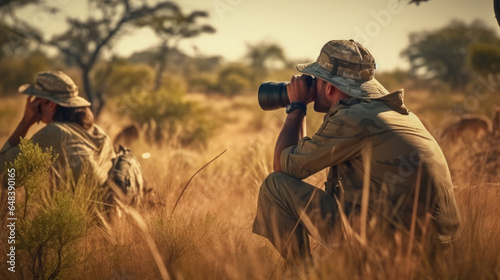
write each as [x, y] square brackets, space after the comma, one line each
[349, 66]
[57, 87]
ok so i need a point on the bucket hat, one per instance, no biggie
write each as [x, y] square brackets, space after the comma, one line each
[349, 66]
[57, 87]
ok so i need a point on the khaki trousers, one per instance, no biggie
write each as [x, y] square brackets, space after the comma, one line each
[288, 210]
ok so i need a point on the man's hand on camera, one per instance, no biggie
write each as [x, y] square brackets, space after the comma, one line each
[299, 91]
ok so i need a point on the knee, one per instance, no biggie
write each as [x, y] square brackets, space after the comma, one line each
[274, 177]
[273, 180]
[274, 183]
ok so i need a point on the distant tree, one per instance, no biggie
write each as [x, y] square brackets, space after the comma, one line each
[262, 55]
[12, 44]
[4, 40]
[19, 61]
[117, 76]
[84, 40]
[15, 71]
[484, 58]
[172, 26]
[417, 1]
[496, 7]
[442, 53]
[233, 79]
[206, 63]
[17, 2]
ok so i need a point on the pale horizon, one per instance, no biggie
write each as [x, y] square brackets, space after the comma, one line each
[302, 29]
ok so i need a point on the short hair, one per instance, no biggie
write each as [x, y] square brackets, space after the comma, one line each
[79, 115]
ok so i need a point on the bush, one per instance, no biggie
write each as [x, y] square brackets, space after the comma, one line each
[202, 83]
[234, 79]
[49, 238]
[117, 78]
[15, 71]
[167, 115]
[32, 169]
[393, 80]
[485, 58]
[49, 221]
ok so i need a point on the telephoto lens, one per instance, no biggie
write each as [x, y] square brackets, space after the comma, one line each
[274, 95]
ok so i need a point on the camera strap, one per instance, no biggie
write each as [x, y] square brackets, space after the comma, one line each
[333, 184]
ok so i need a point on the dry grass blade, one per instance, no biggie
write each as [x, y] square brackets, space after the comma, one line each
[347, 230]
[147, 237]
[367, 156]
[313, 231]
[414, 214]
[190, 179]
[90, 200]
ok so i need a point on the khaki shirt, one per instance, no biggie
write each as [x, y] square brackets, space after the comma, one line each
[403, 153]
[77, 148]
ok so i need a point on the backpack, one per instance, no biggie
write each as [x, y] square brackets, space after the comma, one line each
[126, 178]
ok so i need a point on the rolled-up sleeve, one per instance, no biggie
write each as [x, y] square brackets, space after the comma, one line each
[338, 139]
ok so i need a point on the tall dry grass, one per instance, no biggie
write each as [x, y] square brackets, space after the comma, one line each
[209, 235]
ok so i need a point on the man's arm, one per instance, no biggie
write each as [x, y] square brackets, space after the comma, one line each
[294, 128]
[31, 115]
[21, 131]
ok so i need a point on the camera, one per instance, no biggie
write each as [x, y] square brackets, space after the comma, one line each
[274, 95]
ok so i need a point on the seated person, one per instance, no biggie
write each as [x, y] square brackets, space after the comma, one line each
[70, 130]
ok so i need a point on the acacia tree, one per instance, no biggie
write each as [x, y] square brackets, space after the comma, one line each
[485, 58]
[172, 26]
[443, 53]
[84, 40]
[417, 1]
[496, 7]
[263, 53]
[17, 2]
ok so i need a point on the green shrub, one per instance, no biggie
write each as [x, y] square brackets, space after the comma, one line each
[15, 70]
[202, 83]
[393, 80]
[53, 216]
[234, 79]
[484, 58]
[119, 78]
[49, 238]
[32, 170]
[167, 115]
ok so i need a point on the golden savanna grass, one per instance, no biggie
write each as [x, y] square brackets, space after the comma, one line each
[209, 234]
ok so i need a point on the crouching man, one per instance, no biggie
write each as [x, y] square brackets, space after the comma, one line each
[363, 121]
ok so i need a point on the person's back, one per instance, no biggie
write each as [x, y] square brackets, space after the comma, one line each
[87, 150]
[403, 153]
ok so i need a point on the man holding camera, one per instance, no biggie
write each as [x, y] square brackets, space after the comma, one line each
[369, 138]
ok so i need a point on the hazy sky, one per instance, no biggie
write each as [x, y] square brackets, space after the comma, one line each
[302, 28]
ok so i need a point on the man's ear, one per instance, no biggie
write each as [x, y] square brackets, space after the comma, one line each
[330, 89]
[52, 106]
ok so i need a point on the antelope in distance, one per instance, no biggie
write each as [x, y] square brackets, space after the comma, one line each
[496, 121]
[128, 135]
[473, 126]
